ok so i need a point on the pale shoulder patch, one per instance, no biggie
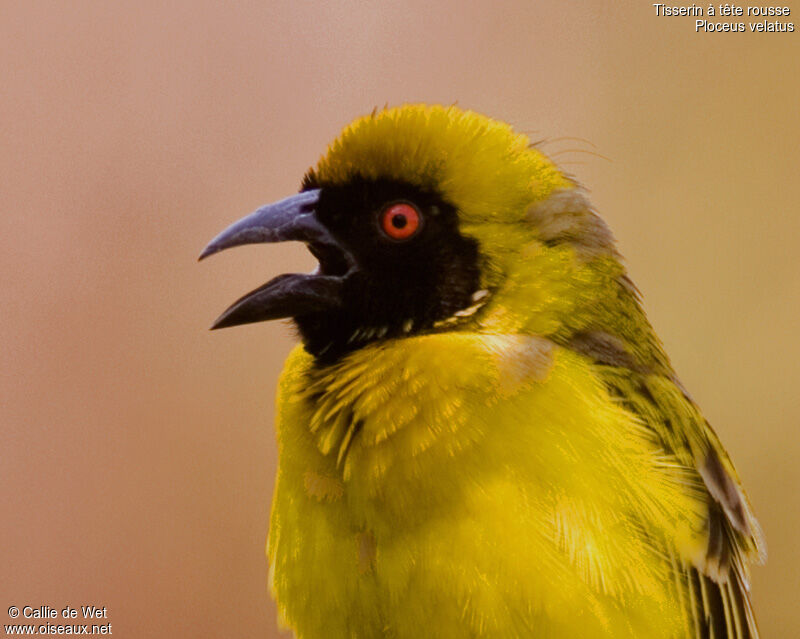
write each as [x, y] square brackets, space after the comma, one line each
[567, 217]
[520, 359]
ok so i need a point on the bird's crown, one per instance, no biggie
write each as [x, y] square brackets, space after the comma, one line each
[486, 170]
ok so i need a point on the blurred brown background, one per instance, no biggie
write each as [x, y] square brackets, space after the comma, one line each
[137, 450]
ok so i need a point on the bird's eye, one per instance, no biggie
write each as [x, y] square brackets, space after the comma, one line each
[401, 220]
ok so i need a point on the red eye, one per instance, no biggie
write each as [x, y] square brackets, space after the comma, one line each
[400, 221]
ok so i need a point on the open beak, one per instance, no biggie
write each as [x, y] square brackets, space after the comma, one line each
[295, 294]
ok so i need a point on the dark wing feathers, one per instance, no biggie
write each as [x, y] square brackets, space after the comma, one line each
[725, 491]
[718, 588]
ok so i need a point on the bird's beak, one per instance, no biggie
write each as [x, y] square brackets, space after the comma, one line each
[289, 295]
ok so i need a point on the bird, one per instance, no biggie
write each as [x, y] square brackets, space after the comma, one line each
[479, 432]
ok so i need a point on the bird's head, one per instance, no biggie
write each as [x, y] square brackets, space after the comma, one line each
[428, 218]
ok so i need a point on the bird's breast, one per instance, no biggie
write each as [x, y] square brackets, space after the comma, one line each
[458, 481]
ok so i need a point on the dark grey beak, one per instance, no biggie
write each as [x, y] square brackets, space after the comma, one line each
[290, 219]
[290, 295]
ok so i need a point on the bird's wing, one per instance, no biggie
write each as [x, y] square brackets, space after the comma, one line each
[716, 579]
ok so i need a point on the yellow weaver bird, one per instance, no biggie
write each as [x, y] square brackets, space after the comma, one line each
[481, 435]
